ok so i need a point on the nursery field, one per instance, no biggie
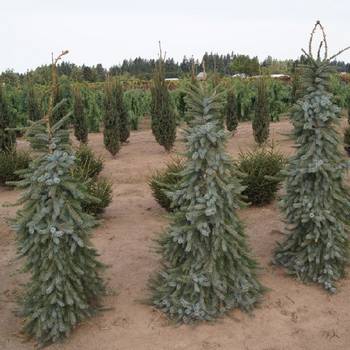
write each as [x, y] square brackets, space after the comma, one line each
[291, 316]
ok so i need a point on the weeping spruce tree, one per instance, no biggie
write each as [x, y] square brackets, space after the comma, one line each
[81, 130]
[317, 203]
[206, 264]
[53, 234]
[162, 109]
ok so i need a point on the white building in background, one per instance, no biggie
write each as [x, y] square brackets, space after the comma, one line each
[239, 75]
[280, 76]
[202, 76]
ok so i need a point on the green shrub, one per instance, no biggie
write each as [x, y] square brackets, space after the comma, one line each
[165, 180]
[347, 136]
[101, 190]
[10, 163]
[87, 165]
[87, 168]
[260, 174]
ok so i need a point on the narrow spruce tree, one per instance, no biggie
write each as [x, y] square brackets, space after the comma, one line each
[111, 131]
[317, 202]
[231, 111]
[94, 114]
[81, 131]
[124, 123]
[7, 137]
[59, 113]
[53, 234]
[33, 107]
[181, 104]
[261, 120]
[162, 109]
[206, 264]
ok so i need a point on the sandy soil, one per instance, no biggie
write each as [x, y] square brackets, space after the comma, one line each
[292, 316]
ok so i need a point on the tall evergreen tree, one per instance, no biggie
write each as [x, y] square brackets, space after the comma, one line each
[57, 97]
[33, 107]
[111, 132]
[81, 131]
[317, 202]
[261, 120]
[53, 234]
[7, 137]
[207, 268]
[94, 114]
[124, 123]
[162, 109]
[231, 111]
[58, 114]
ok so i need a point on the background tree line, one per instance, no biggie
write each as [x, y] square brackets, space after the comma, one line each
[143, 68]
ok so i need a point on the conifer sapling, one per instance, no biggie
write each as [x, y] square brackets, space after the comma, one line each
[261, 120]
[53, 234]
[56, 93]
[124, 123]
[206, 264]
[81, 131]
[231, 111]
[317, 202]
[94, 114]
[111, 132]
[162, 109]
[33, 107]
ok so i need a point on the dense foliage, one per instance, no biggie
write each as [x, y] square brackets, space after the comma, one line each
[164, 181]
[7, 137]
[231, 111]
[317, 201]
[261, 174]
[243, 64]
[94, 113]
[101, 191]
[138, 100]
[57, 96]
[80, 121]
[122, 113]
[32, 104]
[261, 120]
[86, 169]
[138, 104]
[53, 234]
[87, 164]
[12, 162]
[162, 110]
[111, 131]
[206, 266]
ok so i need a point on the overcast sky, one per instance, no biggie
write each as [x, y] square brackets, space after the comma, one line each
[107, 31]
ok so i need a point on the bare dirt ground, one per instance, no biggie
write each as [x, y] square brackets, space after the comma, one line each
[292, 316]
